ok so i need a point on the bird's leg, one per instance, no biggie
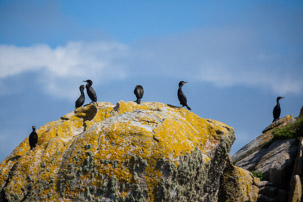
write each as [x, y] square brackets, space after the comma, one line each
[92, 102]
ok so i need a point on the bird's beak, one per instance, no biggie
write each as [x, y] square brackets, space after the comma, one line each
[84, 81]
[282, 97]
[185, 82]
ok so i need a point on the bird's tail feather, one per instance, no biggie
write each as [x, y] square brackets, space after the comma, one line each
[188, 107]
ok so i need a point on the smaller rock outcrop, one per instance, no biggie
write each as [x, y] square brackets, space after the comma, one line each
[276, 156]
[261, 141]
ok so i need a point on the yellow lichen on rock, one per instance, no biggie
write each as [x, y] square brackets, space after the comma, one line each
[238, 184]
[247, 184]
[96, 149]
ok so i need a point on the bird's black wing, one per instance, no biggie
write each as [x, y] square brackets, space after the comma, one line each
[139, 92]
[276, 112]
[33, 139]
[92, 94]
[80, 101]
[182, 98]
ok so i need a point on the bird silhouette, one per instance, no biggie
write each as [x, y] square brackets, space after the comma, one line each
[90, 91]
[277, 110]
[181, 95]
[139, 93]
[80, 101]
[33, 138]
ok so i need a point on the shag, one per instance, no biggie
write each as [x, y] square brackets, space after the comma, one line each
[80, 101]
[139, 93]
[90, 91]
[181, 95]
[33, 138]
[277, 110]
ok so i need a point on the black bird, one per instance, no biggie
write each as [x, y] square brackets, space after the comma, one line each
[181, 95]
[80, 101]
[90, 91]
[277, 110]
[33, 138]
[139, 93]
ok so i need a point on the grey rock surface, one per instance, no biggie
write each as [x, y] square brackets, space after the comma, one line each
[279, 161]
[262, 140]
[276, 165]
[250, 162]
[269, 192]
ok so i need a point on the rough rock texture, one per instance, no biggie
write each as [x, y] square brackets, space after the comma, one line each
[269, 192]
[250, 162]
[298, 167]
[278, 161]
[262, 140]
[127, 152]
[277, 164]
[238, 184]
[295, 190]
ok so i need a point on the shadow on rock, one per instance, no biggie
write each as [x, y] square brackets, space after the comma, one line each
[87, 113]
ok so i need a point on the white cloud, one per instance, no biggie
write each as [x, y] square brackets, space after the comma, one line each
[279, 83]
[223, 56]
[67, 65]
[227, 57]
[74, 59]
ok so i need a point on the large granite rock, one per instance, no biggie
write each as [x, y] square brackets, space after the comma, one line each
[123, 152]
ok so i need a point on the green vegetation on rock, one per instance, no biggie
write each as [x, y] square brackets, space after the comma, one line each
[258, 174]
[290, 131]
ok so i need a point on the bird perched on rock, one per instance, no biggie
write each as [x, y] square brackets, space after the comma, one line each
[90, 91]
[33, 138]
[181, 95]
[139, 93]
[80, 101]
[277, 109]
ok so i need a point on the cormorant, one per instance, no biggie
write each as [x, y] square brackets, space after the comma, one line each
[277, 110]
[80, 101]
[33, 138]
[181, 95]
[139, 93]
[90, 91]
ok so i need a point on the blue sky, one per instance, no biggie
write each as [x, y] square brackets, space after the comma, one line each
[237, 56]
